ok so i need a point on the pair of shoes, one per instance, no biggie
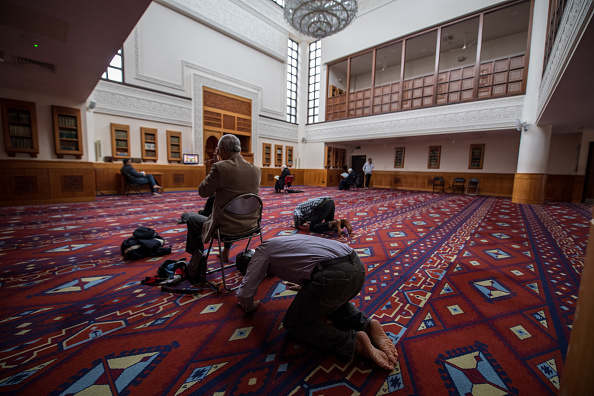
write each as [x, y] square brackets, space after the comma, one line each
[346, 224]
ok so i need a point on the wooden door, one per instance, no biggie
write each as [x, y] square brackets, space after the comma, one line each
[588, 196]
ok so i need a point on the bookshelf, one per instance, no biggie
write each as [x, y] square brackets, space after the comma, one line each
[434, 157]
[266, 154]
[120, 141]
[477, 153]
[19, 123]
[67, 131]
[278, 155]
[149, 144]
[174, 146]
[289, 155]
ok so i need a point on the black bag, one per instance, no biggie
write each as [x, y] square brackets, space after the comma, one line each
[145, 242]
[196, 271]
[168, 268]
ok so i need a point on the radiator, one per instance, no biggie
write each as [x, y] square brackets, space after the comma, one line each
[98, 151]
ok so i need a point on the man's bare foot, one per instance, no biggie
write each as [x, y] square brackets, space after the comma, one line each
[336, 224]
[366, 348]
[346, 224]
[381, 341]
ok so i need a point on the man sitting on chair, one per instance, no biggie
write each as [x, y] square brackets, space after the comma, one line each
[280, 183]
[139, 177]
[346, 183]
[229, 177]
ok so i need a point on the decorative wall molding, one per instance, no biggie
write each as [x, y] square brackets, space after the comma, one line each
[484, 115]
[253, 28]
[127, 101]
[575, 19]
[198, 82]
[274, 129]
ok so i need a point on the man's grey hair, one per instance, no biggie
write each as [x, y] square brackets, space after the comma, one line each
[230, 143]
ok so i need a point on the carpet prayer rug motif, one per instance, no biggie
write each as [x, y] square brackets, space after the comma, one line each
[477, 293]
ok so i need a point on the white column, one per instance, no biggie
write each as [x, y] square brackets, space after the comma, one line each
[534, 149]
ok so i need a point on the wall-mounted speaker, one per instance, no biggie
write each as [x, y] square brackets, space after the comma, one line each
[92, 104]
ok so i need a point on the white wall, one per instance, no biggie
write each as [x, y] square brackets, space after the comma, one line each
[102, 132]
[501, 154]
[393, 20]
[167, 47]
[45, 126]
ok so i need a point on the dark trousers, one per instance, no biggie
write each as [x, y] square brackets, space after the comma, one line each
[327, 295]
[194, 234]
[321, 216]
[367, 179]
[148, 179]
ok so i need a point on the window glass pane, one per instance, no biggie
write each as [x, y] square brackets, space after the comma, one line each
[361, 72]
[420, 55]
[315, 54]
[388, 64]
[115, 71]
[292, 56]
[505, 32]
[458, 45]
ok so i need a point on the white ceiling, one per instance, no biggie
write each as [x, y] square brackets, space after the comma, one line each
[76, 40]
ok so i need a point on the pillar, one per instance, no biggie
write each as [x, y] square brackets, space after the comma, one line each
[531, 173]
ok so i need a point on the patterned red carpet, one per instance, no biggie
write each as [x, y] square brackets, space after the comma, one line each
[477, 292]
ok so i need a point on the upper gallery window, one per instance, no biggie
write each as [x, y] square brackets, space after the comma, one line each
[115, 70]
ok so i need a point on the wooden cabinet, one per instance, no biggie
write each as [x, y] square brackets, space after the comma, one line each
[149, 144]
[266, 154]
[67, 131]
[328, 157]
[434, 157]
[19, 123]
[174, 146]
[278, 155]
[120, 141]
[289, 155]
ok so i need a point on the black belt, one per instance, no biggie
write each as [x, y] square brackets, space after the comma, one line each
[324, 202]
[343, 259]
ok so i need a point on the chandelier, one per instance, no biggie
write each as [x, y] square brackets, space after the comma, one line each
[320, 18]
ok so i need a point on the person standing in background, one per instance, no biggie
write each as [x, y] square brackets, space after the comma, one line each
[367, 168]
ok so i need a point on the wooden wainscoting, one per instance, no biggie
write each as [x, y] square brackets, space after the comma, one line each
[172, 177]
[497, 184]
[41, 182]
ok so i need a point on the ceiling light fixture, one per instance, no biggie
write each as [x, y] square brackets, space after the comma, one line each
[320, 18]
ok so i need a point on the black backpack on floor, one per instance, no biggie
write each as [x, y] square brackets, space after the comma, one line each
[144, 242]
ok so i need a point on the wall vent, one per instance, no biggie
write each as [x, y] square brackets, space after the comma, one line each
[30, 62]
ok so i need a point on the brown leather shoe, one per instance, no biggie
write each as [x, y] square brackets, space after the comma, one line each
[345, 224]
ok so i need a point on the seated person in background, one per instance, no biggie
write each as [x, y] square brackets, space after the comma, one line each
[320, 214]
[229, 177]
[139, 177]
[345, 183]
[280, 183]
[327, 274]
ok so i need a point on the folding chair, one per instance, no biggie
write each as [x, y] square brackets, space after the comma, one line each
[438, 184]
[458, 185]
[473, 186]
[129, 183]
[357, 183]
[288, 183]
[244, 204]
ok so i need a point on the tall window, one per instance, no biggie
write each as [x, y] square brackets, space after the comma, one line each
[280, 2]
[313, 98]
[292, 81]
[115, 70]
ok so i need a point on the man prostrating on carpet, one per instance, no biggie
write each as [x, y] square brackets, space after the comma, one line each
[327, 274]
